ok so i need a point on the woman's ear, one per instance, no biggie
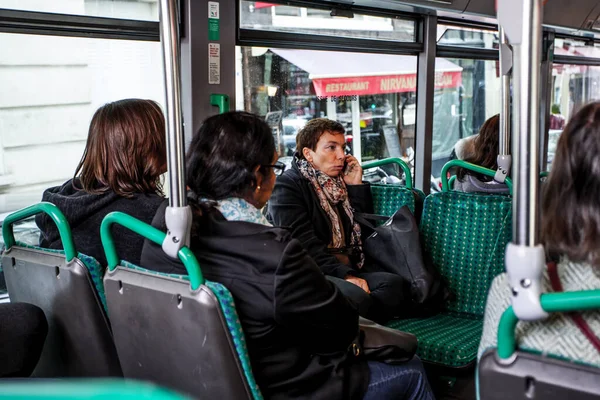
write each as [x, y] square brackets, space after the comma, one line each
[259, 178]
[306, 154]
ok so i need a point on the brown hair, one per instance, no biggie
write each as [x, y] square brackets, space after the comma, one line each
[125, 150]
[310, 134]
[485, 147]
[570, 206]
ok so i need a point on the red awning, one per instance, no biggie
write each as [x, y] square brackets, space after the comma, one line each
[336, 73]
[261, 4]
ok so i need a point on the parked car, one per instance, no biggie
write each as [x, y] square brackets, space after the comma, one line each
[291, 126]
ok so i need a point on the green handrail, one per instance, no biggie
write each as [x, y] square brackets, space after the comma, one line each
[451, 181]
[551, 302]
[149, 232]
[470, 167]
[54, 213]
[75, 389]
[544, 174]
[393, 160]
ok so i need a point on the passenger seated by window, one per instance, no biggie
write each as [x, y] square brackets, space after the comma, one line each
[316, 199]
[298, 325]
[120, 170]
[482, 151]
[571, 238]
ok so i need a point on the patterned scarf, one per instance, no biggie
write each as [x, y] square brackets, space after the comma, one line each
[332, 191]
[236, 209]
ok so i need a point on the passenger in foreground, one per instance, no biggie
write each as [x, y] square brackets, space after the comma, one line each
[483, 151]
[120, 170]
[298, 326]
[317, 199]
[571, 237]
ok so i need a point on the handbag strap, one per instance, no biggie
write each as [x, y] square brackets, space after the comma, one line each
[581, 323]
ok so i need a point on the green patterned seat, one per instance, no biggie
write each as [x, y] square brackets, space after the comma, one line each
[445, 338]
[233, 322]
[387, 199]
[93, 266]
[466, 235]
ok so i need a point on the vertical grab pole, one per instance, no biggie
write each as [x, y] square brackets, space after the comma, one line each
[525, 260]
[178, 216]
[504, 159]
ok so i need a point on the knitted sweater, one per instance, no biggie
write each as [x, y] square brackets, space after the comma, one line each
[556, 336]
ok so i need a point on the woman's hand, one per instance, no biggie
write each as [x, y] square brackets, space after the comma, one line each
[353, 172]
[361, 283]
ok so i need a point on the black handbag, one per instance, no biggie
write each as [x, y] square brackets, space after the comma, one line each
[379, 343]
[395, 246]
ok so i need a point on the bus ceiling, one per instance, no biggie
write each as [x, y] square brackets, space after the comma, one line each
[572, 14]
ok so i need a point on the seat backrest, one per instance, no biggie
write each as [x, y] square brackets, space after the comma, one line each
[387, 199]
[508, 373]
[534, 376]
[79, 341]
[67, 287]
[191, 341]
[466, 235]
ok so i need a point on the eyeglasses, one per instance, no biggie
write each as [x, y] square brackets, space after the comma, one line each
[278, 168]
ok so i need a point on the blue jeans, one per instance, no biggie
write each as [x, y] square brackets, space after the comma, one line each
[404, 381]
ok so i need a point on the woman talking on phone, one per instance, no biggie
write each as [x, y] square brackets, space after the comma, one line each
[316, 200]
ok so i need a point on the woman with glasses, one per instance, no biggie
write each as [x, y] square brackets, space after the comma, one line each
[317, 199]
[298, 326]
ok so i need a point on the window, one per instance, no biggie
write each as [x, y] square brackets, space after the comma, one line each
[449, 35]
[287, 10]
[51, 86]
[145, 10]
[371, 95]
[270, 17]
[573, 86]
[467, 95]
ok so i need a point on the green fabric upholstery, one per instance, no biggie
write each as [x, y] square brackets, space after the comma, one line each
[466, 235]
[93, 266]
[387, 199]
[446, 338]
[233, 322]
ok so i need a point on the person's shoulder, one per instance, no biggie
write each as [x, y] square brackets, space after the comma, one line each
[66, 189]
[463, 147]
[291, 175]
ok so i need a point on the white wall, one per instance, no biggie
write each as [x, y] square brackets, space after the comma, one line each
[51, 86]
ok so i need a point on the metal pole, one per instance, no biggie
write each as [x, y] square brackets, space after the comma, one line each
[504, 159]
[425, 89]
[527, 123]
[178, 216]
[505, 68]
[525, 258]
[356, 134]
[169, 37]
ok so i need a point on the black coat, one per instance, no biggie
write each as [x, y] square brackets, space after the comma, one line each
[298, 326]
[85, 212]
[294, 204]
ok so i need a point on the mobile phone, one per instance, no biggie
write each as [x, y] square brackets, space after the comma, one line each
[346, 168]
